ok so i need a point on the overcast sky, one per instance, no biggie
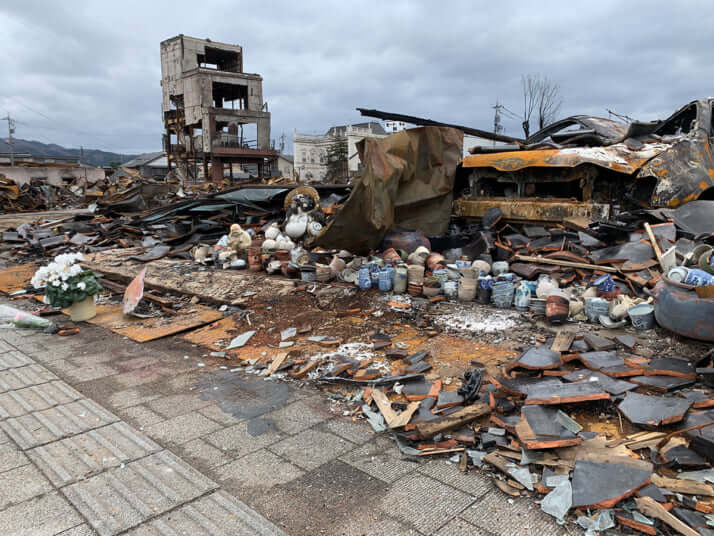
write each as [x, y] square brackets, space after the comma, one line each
[87, 73]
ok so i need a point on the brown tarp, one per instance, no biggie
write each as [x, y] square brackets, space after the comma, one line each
[407, 183]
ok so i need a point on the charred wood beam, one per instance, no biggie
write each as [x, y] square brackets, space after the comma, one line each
[431, 123]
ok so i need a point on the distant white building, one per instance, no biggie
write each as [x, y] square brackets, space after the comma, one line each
[285, 165]
[311, 151]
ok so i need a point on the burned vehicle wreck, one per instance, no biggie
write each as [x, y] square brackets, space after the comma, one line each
[589, 167]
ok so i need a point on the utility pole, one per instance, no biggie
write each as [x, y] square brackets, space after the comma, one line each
[497, 125]
[10, 140]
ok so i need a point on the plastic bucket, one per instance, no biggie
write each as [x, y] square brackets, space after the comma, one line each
[642, 316]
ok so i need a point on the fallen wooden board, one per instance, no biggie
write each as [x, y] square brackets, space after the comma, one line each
[562, 341]
[556, 262]
[688, 487]
[223, 331]
[458, 418]
[16, 277]
[278, 360]
[391, 417]
[652, 508]
[149, 329]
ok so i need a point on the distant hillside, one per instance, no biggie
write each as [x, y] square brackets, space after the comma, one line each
[92, 157]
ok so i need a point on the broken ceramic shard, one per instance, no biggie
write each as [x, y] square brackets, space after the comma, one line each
[603, 484]
[240, 340]
[653, 411]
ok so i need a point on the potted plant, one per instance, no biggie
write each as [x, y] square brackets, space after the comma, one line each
[67, 284]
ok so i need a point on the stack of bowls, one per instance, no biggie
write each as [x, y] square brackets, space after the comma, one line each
[537, 306]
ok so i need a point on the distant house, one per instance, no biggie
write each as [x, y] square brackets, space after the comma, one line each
[312, 151]
[149, 164]
[285, 165]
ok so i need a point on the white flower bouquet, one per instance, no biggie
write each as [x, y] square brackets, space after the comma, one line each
[66, 282]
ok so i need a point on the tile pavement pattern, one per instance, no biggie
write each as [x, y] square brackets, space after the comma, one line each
[98, 438]
[70, 467]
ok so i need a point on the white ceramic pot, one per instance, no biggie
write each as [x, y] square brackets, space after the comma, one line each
[83, 310]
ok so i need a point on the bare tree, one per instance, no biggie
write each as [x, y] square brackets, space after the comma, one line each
[542, 96]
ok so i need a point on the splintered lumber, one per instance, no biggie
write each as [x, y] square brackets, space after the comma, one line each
[655, 245]
[688, 487]
[278, 360]
[562, 341]
[391, 417]
[426, 430]
[300, 374]
[649, 507]
[569, 264]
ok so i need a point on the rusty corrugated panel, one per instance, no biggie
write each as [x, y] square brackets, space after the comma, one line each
[531, 209]
[616, 157]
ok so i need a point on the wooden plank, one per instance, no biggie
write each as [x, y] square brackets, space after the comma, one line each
[655, 246]
[556, 262]
[562, 341]
[148, 329]
[391, 417]
[649, 507]
[679, 485]
[278, 360]
[458, 418]
[300, 374]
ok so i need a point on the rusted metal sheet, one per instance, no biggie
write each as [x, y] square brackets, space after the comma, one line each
[680, 310]
[683, 172]
[616, 157]
[531, 209]
[148, 329]
[16, 277]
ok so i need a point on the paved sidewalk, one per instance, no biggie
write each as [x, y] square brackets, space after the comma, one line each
[104, 434]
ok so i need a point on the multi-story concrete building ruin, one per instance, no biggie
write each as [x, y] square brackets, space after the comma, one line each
[214, 113]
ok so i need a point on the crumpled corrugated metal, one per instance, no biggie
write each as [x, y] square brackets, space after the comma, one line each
[407, 183]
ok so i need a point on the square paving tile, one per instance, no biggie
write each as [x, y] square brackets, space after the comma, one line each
[522, 518]
[14, 359]
[215, 413]
[358, 432]
[261, 469]
[18, 378]
[79, 530]
[217, 513]
[36, 398]
[299, 415]
[203, 454]
[459, 527]
[424, 502]
[133, 397]
[83, 455]
[11, 457]
[182, 428]
[83, 373]
[237, 440]
[174, 405]
[123, 497]
[311, 448]
[381, 459]
[140, 416]
[472, 482]
[48, 515]
[22, 483]
[56, 423]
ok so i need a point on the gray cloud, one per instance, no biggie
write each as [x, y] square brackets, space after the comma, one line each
[87, 73]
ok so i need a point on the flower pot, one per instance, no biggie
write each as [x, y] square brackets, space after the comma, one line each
[83, 310]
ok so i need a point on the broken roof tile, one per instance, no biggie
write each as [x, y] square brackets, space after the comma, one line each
[538, 358]
[652, 411]
[604, 484]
